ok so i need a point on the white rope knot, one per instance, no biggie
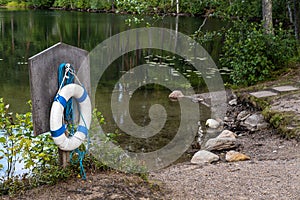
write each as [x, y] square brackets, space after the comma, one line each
[68, 69]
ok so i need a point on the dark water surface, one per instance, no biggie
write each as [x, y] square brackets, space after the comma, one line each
[24, 33]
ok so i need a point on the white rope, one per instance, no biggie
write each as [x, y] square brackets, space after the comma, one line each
[68, 69]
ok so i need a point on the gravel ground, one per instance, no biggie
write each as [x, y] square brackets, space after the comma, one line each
[272, 173]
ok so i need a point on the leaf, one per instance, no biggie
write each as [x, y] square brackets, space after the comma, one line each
[2, 140]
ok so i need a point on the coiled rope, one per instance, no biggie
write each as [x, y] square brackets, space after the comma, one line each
[67, 75]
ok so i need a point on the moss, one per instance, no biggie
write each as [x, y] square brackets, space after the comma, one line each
[287, 123]
[258, 103]
[276, 120]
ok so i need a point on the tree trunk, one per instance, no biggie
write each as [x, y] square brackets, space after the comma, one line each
[296, 18]
[113, 6]
[177, 7]
[290, 12]
[267, 16]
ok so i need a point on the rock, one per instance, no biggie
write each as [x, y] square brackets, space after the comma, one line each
[233, 156]
[204, 156]
[255, 122]
[227, 134]
[200, 136]
[176, 94]
[254, 119]
[220, 144]
[242, 115]
[212, 123]
[228, 119]
[233, 102]
[262, 126]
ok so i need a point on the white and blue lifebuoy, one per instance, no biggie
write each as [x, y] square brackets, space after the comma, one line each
[57, 126]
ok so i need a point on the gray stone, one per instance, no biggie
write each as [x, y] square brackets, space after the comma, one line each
[212, 123]
[262, 94]
[227, 134]
[255, 122]
[203, 156]
[262, 126]
[220, 144]
[228, 119]
[285, 88]
[200, 136]
[242, 115]
[233, 102]
[176, 94]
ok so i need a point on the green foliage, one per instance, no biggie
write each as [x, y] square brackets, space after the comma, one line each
[132, 6]
[15, 4]
[38, 154]
[196, 7]
[244, 9]
[3, 2]
[15, 132]
[40, 3]
[252, 54]
[100, 4]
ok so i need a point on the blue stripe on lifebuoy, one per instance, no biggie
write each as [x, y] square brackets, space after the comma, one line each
[83, 96]
[61, 100]
[59, 131]
[57, 127]
[83, 129]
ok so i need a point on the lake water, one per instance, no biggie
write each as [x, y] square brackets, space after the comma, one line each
[24, 33]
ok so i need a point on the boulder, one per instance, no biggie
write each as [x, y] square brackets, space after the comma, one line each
[255, 122]
[242, 115]
[227, 134]
[212, 123]
[203, 156]
[176, 94]
[233, 156]
[220, 144]
[233, 102]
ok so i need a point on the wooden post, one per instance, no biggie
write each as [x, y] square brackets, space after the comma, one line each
[43, 69]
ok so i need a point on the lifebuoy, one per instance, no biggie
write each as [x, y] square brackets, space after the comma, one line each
[58, 128]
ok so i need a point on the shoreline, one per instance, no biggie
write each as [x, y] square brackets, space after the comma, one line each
[90, 10]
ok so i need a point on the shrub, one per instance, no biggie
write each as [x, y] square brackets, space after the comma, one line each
[253, 55]
[14, 4]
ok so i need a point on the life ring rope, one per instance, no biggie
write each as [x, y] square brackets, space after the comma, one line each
[57, 125]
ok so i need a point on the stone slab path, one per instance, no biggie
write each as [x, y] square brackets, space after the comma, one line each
[283, 108]
[276, 91]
